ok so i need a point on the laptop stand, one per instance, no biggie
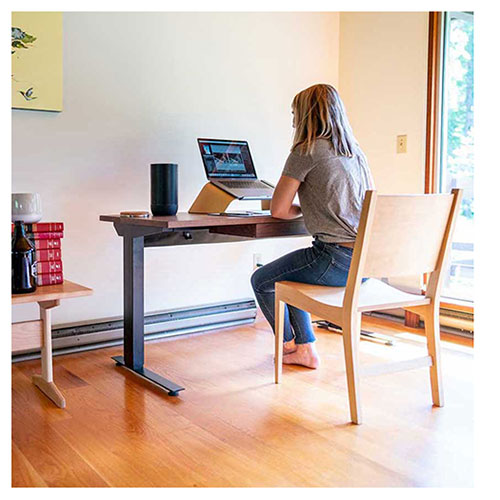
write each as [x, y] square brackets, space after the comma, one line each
[213, 199]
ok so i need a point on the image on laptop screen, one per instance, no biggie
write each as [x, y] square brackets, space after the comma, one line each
[223, 158]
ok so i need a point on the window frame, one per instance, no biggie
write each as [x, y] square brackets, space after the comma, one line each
[434, 139]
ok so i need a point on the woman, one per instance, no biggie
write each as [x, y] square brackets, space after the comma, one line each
[331, 175]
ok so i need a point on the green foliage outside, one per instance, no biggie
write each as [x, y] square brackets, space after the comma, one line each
[460, 109]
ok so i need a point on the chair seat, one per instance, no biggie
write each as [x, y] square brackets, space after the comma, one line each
[374, 295]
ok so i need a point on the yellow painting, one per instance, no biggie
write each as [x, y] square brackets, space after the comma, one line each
[37, 60]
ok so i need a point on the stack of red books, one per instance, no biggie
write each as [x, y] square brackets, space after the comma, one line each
[46, 236]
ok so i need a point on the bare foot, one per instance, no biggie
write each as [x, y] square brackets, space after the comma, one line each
[305, 355]
[289, 347]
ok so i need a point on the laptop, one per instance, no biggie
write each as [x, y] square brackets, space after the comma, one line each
[229, 165]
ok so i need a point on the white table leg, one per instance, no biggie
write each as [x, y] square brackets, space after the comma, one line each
[45, 381]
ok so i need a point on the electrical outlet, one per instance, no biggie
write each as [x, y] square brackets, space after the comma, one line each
[401, 144]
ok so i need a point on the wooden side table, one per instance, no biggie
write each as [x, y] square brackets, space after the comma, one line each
[38, 333]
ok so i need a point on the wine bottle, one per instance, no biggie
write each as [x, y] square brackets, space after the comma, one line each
[23, 261]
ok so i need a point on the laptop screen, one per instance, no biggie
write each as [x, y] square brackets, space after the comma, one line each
[223, 158]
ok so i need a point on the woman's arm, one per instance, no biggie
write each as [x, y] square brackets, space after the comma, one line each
[282, 206]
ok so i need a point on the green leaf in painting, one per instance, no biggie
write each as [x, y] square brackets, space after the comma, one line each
[18, 44]
[28, 38]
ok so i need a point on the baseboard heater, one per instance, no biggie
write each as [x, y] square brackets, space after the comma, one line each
[462, 327]
[96, 334]
[458, 320]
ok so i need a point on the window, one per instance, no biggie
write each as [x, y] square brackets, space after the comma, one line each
[450, 137]
[456, 158]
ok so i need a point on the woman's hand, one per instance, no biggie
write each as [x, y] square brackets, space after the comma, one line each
[282, 206]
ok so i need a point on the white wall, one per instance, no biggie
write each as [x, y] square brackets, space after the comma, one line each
[383, 82]
[140, 88]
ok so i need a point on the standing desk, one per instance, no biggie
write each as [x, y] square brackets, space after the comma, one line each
[180, 229]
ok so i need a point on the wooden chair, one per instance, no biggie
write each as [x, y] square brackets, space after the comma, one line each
[398, 235]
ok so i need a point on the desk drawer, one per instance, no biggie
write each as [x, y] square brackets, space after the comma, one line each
[270, 230]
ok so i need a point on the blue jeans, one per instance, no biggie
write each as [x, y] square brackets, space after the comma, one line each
[322, 264]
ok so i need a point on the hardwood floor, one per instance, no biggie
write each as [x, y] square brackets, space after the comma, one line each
[233, 426]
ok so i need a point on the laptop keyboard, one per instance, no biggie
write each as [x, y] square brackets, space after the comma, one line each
[245, 184]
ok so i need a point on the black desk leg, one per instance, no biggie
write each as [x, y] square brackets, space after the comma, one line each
[133, 318]
[133, 301]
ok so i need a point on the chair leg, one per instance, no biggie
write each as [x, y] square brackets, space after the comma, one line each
[432, 330]
[351, 330]
[279, 318]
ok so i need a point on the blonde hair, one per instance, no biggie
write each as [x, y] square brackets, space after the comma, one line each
[320, 113]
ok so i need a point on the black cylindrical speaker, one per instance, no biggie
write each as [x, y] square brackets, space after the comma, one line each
[164, 188]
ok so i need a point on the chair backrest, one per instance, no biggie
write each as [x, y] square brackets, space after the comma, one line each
[403, 235]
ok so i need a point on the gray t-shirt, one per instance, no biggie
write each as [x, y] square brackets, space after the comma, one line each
[331, 192]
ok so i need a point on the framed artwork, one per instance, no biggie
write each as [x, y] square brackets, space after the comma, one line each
[36, 49]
